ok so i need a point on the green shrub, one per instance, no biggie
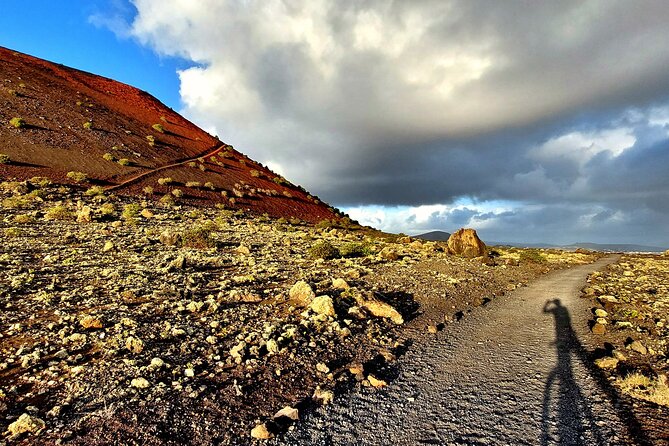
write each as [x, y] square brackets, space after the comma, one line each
[17, 123]
[165, 181]
[167, 200]
[40, 181]
[354, 249]
[88, 125]
[124, 162]
[58, 212]
[323, 250]
[158, 128]
[324, 224]
[210, 185]
[178, 193]
[77, 177]
[12, 232]
[95, 191]
[254, 173]
[108, 211]
[4, 159]
[148, 190]
[108, 156]
[531, 256]
[151, 140]
[23, 218]
[198, 237]
[131, 212]
[193, 184]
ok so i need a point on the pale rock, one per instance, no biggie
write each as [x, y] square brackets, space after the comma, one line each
[288, 412]
[302, 293]
[638, 347]
[140, 383]
[375, 382]
[26, 424]
[261, 432]
[323, 305]
[340, 284]
[606, 363]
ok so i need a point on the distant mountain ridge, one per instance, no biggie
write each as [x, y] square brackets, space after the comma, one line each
[442, 236]
[434, 236]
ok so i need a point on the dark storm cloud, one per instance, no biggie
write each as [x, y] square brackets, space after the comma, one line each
[425, 102]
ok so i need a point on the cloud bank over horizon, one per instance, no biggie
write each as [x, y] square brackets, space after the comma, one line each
[540, 122]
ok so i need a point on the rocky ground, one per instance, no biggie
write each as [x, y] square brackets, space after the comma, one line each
[138, 322]
[630, 311]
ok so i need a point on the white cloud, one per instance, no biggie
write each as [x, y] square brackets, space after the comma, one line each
[316, 85]
[581, 147]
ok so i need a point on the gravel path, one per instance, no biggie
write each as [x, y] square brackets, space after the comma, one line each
[513, 372]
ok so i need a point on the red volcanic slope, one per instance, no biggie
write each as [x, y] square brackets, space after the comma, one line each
[74, 120]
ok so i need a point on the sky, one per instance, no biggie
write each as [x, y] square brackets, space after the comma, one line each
[528, 121]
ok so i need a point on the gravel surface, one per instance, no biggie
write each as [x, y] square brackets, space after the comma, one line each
[512, 372]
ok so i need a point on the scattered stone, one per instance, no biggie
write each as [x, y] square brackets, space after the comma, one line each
[599, 312]
[323, 305]
[140, 383]
[237, 352]
[340, 284]
[146, 213]
[379, 309]
[324, 397]
[89, 322]
[302, 293]
[157, 363]
[272, 347]
[601, 321]
[432, 328]
[170, 238]
[466, 242]
[606, 363]
[84, 215]
[389, 253]
[135, 345]
[288, 412]
[178, 263]
[243, 250]
[598, 329]
[109, 245]
[261, 432]
[189, 373]
[321, 367]
[375, 382]
[26, 424]
[638, 347]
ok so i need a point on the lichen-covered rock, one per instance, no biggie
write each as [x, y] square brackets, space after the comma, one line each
[466, 242]
[261, 432]
[379, 308]
[302, 293]
[26, 424]
[323, 305]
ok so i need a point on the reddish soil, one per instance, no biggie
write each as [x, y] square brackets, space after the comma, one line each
[56, 101]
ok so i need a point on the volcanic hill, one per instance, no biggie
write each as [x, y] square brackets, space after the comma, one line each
[55, 120]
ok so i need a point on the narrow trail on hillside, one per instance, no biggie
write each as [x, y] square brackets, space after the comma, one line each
[514, 372]
[139, 176]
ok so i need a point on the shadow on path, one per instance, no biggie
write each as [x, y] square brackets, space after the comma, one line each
[567, 415]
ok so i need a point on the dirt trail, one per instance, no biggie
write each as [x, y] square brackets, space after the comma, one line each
[134, 178]
[514, 372]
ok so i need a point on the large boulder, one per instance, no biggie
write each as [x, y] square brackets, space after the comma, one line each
[466, 242]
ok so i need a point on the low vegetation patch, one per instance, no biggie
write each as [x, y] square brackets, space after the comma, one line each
[198, 237]
[77, 177]
[4, 159]
[323, 250]
[17, 123]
